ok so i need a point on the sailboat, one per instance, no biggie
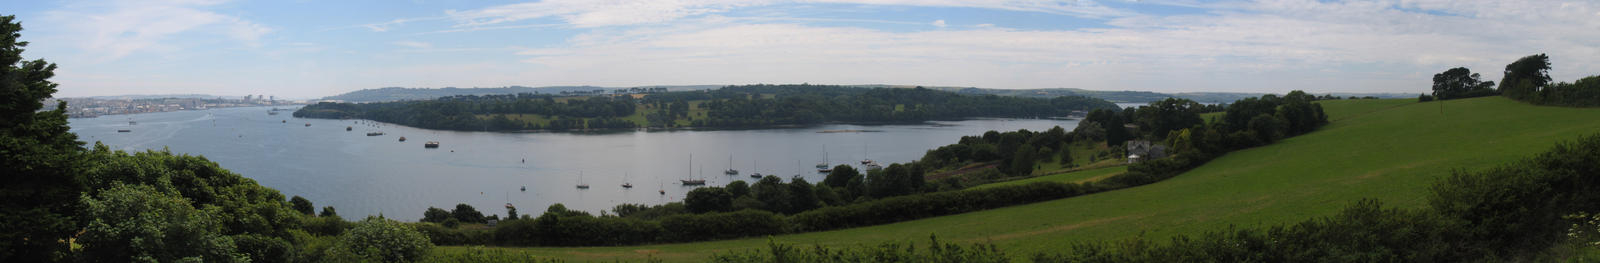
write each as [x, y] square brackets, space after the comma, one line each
[730, 170]
[625, 183]
[866, 161]
[822, 167]
[688, 182]
[755, 175]
[581, 185]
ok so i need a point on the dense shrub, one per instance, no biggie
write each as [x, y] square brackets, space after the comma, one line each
[482, 255]
[683, 228]
[885, 252]
[139, 223]
[384, 240]
[260, 248]
[244, 207]
[1508, 213]
[447, 236]
[561, 227]
[903, 208]
[324, 225]
[1518, 208]
[1364, 232]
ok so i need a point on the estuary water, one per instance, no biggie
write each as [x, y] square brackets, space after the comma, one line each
[364, 175]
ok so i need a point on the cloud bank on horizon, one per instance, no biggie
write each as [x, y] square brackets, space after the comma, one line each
[313, 49]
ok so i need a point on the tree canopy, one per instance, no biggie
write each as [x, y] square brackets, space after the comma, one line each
[1459, 83]
[1524, 77]
[41, 182]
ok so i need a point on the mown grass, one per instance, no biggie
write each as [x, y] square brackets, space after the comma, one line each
[1389, 150]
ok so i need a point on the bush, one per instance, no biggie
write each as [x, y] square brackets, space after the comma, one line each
[885, 252]
[312, 248]
[708, 199]
[138, 223]
[1517, 209]
[384, 240]
[435, 215]
[260, 248]
[481, 255]
[324, 225]
[1510, 213]
[465, 213]
[684, 228]
[448, 236]
[910, 207]
[561, 227]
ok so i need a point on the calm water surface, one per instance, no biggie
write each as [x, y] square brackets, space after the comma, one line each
[366, 175]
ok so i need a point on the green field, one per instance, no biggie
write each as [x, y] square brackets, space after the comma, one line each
[1389, 150]
[638, 117]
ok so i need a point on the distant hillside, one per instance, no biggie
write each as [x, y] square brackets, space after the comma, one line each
[399, 94]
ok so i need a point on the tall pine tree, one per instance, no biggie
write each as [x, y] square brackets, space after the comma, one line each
[38, 183]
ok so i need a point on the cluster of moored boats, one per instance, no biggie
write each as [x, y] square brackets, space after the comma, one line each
[426, 145]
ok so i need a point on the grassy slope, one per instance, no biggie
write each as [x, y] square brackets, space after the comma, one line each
[1384, 149]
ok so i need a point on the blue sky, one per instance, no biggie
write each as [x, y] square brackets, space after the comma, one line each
[310, 49]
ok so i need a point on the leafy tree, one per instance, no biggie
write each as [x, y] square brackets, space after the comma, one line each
[1022, 161]
[40, 184]
[1170, 114]
[379, 239]
[1524, 77]
[828, 195]
[1459, 83]
[511, 213]
[245, 207]
[1268, 128]
[139, 223]
[801, 196]
[738, 188]
[896, 180]
[435, 215]
[1066, 154]
[302, 205]
[327, 211]
[708, 199]
[771, 192]
[1115, 133]
[747, 202]
[465, 213]
[840, 176]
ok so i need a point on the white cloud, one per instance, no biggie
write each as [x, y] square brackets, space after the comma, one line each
[413, 44]
[1269, 46]
[120, 28]
[599, 13]
[939, 23]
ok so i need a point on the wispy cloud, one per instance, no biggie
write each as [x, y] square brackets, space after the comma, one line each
[413, 44]
[118, 29]
[584, 14]
[1256, 46]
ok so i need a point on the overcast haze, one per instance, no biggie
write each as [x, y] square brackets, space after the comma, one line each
[318, 48]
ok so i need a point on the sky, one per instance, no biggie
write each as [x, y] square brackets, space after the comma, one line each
[309, 49]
